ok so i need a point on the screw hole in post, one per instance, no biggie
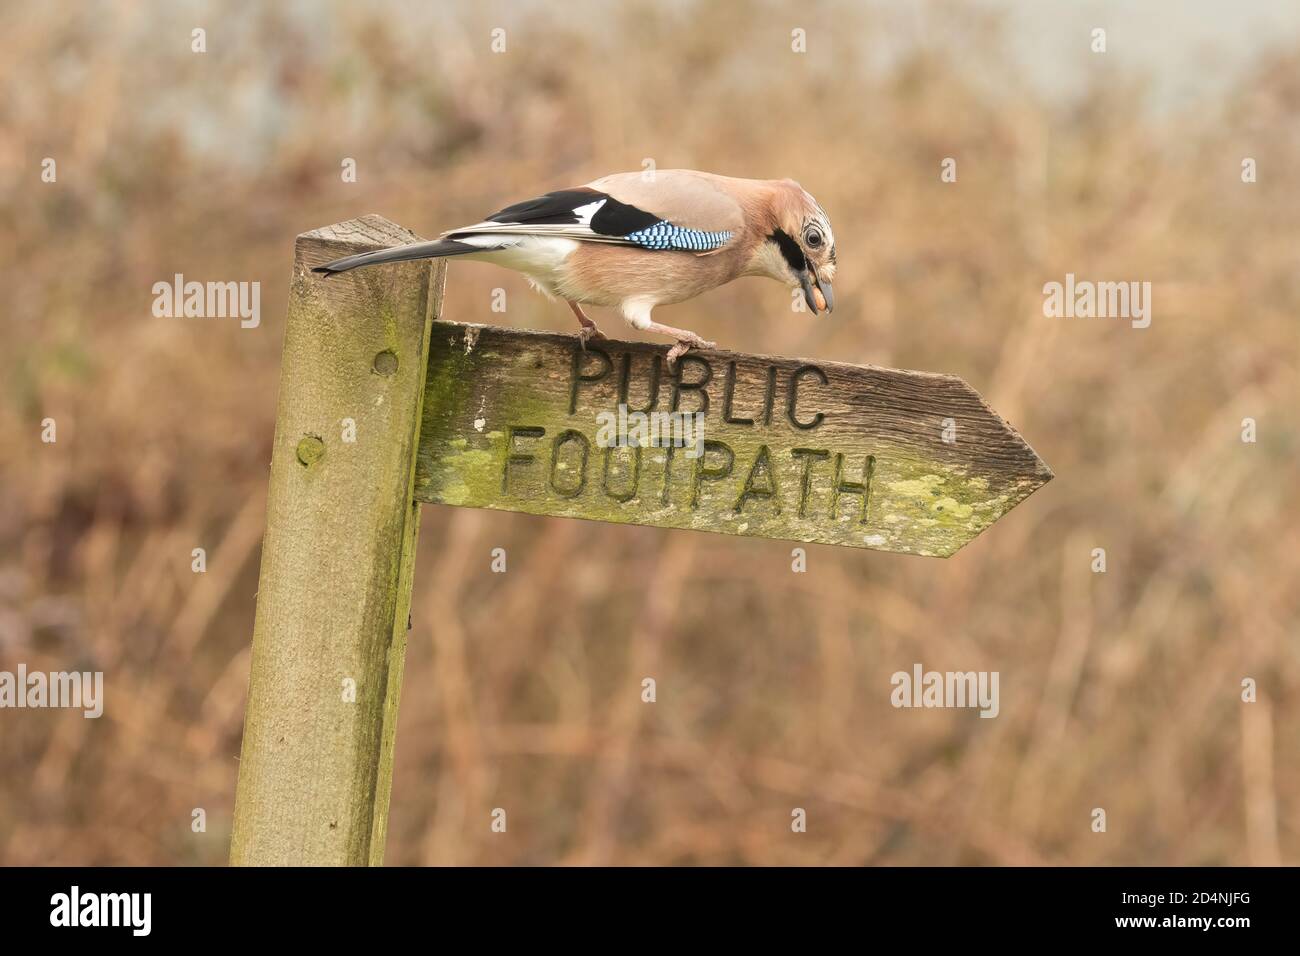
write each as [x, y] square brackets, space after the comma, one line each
[386, 362]
[310, 450]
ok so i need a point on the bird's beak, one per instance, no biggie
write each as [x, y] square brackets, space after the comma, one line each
[808, 296]
[821, 298]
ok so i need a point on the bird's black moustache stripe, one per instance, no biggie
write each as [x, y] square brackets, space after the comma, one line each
[790, 250]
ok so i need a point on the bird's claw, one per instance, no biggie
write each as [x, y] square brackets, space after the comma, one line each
[587, 333]
[684, 345]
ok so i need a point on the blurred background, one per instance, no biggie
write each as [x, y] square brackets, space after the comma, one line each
[1119, 690]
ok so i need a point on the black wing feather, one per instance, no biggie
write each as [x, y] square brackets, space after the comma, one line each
[554, 208]
[614, 218]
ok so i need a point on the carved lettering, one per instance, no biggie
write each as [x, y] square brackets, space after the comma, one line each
[514, 457]
[579, 378]
[839, 486]
[703, 472]
[792, 399]
[681, 385]
[569, 488]
[761, 470]
[809, 455]
[630, 493]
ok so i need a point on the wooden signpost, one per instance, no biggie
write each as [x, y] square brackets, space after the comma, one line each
[750, 445]
[449, 413]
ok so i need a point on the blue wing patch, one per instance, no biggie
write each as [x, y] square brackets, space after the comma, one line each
[664, 235]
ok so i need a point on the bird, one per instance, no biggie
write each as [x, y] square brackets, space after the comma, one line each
[635, 241]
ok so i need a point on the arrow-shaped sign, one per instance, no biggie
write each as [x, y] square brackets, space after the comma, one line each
[743, 444]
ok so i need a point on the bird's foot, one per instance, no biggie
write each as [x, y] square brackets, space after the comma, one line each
[685, 342]
[589, 332]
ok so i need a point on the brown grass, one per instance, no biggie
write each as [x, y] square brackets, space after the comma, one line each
[522, 690]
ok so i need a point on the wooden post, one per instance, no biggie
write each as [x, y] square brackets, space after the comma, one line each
[333, 601]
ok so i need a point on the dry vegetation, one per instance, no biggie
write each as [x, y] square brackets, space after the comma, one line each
[522, 690]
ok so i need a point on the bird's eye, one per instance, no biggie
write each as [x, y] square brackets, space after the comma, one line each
[813, 238]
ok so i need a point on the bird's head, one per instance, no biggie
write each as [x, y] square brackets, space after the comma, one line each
[799, 248]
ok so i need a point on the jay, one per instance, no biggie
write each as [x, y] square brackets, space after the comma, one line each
[634, 241]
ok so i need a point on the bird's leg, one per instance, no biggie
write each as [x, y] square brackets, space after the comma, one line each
[588, 330]
[686, 340]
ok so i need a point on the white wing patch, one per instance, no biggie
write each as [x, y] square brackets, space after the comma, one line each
[584, 213]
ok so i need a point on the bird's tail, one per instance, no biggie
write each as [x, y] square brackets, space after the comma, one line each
[437, 249]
